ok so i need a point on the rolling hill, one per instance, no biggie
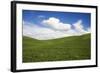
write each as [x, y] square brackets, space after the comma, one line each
[63, 49]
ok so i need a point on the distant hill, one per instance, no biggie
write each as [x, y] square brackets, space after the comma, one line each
[68, 48]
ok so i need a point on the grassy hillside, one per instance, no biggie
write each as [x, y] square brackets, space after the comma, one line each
[68, 48]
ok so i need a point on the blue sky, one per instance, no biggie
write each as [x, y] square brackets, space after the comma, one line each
[51, 24]
[36, 17]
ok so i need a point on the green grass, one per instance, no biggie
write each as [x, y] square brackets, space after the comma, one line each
[63, 49]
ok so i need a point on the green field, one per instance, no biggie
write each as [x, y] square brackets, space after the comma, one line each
[63, 49]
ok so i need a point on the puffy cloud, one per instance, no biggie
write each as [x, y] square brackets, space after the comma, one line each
[55, 29]
[79, 27]
[40, 33]
[56, 24]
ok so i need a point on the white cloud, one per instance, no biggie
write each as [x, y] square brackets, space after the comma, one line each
[40, 33]
[57, 29]
[56, 24]
[79, 27]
